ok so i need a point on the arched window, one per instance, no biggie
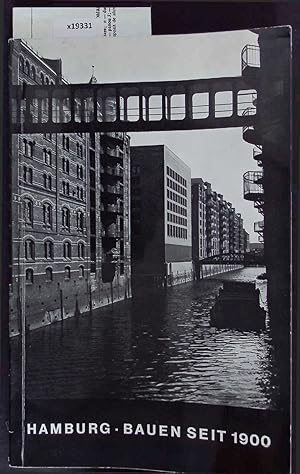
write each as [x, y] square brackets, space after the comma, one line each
[81, 271]
[81, 250]
[42, 78]
[27, 68]
[27, 174]
[66, 143]
[30, 149]
[49, 182]
[79, 172]
[29, 249]
[49, 274]
[47, 215]
[79, 220]
[67, 273]
[47, 81]
[65, 218]
[66, 165]
[29, 276]
[66, 188]
[33, 73]
[48, 250]
[28, 211]
[67, 250]
[21, 63]
[24, 146]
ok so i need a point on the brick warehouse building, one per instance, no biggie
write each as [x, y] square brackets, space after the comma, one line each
[70, 213]
[161, 217]
[216, 227]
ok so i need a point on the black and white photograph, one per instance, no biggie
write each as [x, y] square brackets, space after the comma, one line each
[150, 221]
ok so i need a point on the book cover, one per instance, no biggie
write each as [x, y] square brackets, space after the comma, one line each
[150, 313]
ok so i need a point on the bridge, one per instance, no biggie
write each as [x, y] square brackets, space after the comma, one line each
[131, 107]
[246, 259]
[224, 258]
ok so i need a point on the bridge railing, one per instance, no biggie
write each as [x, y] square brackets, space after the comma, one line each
[259, 226]
[253, 185]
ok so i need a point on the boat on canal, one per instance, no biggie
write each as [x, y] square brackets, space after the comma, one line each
[238, 306]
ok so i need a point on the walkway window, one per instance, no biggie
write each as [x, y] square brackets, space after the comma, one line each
[29, 276]
[47, 215]
[28, 211]
[48, 250]
[81, 250]
[29, 249]
[67, 273]
[49, 274]
[65, 218]
[67, 250]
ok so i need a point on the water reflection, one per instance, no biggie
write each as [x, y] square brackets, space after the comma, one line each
[159, 347]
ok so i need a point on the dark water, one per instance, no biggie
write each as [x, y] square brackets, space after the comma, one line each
[160, 347]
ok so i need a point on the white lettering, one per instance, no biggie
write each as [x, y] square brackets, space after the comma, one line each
[31, 428]
[175, 431]
[69, 429]
[139, 429]
[191, 432]
[104, 428]
[43, 429]
[55, 428]
[127, 428]
[203, 434]
[93, 428]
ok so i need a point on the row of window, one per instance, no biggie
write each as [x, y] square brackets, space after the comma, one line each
[29, 250]
[66, 168]
[29, 274]
[176, 176]
[179, 189]
[48, 216]
[47, 182]
[175, 231]
[171, 206]
[28, 150]
[175, 197]
[66, 190]
[30, 71]
[177, 219]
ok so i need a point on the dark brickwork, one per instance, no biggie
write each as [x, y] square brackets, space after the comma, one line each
[62, 186]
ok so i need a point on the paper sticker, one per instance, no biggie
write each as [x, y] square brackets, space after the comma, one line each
[106, 22]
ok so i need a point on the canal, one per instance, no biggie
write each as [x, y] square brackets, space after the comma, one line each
[159, 347]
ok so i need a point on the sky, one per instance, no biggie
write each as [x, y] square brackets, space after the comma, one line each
[218, 156]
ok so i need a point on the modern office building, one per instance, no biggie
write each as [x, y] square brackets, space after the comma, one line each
[70, 212]
[161, 216]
